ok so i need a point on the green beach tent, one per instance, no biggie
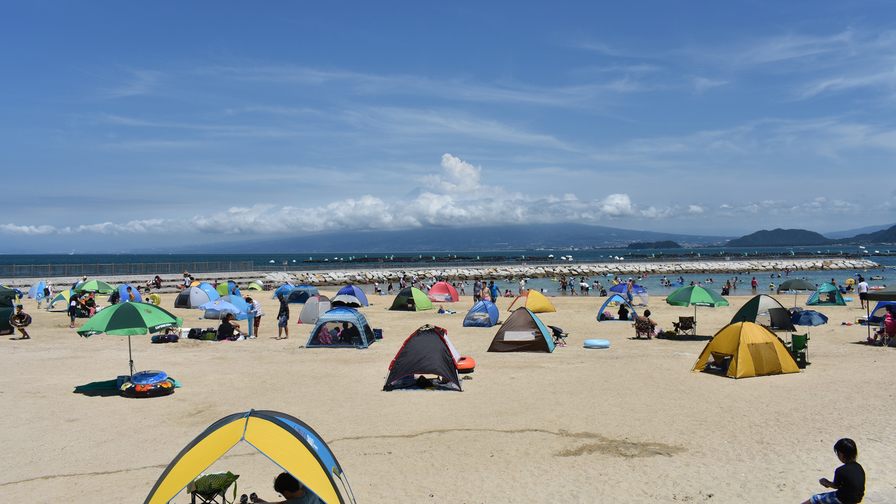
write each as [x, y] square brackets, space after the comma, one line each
[827, 294]
[411, 299]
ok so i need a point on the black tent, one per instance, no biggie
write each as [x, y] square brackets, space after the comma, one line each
[766, 311]
[7, 307]
[426, 352]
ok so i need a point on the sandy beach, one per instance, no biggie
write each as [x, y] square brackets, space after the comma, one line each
[631, 423]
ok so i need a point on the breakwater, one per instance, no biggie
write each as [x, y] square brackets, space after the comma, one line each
[668, 268]
[427, 273]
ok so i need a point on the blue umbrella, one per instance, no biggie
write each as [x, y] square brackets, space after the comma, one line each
[216, 310]
[808, 318]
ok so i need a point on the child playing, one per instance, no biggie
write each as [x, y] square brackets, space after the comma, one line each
[849, 479]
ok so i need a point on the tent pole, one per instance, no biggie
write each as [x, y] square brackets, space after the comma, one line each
[130, 357]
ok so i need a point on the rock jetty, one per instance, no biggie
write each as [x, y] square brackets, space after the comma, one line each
[668, 268]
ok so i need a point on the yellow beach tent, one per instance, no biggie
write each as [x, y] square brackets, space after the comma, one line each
[286, 440]
[535, 301]
[748, 349]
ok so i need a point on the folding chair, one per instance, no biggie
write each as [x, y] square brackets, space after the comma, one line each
[686, 325]
[558, 335]
[799, 348]
[211, 488]
[212, 497]
[643, 328]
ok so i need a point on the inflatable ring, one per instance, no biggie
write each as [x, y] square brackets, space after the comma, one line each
[466, 365]
[850, 281]
[148, 384]
[597, 343]
[165, 338]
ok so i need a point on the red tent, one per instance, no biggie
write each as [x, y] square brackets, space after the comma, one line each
[443, 292]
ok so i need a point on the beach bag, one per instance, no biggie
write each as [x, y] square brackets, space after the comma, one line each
[195, 333]
[210, 334]
[212, 482]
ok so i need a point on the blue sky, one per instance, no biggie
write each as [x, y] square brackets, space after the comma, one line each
[128, 124]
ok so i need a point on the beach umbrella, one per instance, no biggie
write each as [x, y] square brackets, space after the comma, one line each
[128, 319]
[695, 296]
[95, 286]
[795, 285]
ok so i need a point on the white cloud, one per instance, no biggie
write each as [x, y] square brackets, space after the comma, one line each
[26, 230]
[457, 177]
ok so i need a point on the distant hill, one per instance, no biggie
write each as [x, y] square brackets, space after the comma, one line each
[522, 237]
[850, 233]
[668, 244]
[780, 238]
[883, 236]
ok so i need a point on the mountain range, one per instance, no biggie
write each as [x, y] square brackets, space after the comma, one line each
[801, 237]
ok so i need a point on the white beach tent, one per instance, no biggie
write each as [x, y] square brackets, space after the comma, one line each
[313, 309]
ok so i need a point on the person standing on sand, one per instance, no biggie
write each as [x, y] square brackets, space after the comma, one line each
[283, 317]
[861, 288]
[255, 309]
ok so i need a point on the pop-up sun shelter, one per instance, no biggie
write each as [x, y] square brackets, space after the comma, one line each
[745, 349]
[827, 294]
[766, 311]
[426, 352]
[123, 294]
[522, 332]
[637, 292]
[346, 300]
[227, 288]
[482, 314]
[880, 309]
[301, 293]
[341, 327]
[411, 299]
[256, 285]
[353, 290]
[37, 291]
[443, 292]
[63, 297]
[534, 301]
[194, 297]
[313, 309]
[283, 289]
[286, 440]
[616, 298]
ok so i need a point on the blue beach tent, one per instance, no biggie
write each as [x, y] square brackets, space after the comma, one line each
[880, 309]
[301, 293]
[209, 289]
[123, 294]
[37, 291]
[283, 289]
[341, 327]
[482, 314]
[618, 299]
[353, 290]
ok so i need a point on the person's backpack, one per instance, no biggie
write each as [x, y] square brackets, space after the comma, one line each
[46, 292]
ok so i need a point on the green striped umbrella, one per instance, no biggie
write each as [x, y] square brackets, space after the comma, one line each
[696, 296]
[95, 286]
[128, 319]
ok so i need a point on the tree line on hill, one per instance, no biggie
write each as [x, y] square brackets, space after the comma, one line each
[801, 237]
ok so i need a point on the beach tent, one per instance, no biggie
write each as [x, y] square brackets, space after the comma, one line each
[256, 285]
[827, 294]
[37, 291]
[341, 327]
[313, 309]
[347, 300]
[426, 352]
[482, 314]
[64, 296]
[638, 292]
[522, 332]
[443, 292]
[535, 301]
[411, 299]
[880, 309]
[355, 291]
[766, 311]
[285, 440]
[7, 308]
[283, 289]
[123, 294]
[208, 288]
[226, 304]
[747, 349]
[230, 287]
[615, 298]
[300, 293]
[194, 297]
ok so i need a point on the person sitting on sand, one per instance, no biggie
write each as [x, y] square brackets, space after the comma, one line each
[228, 328]
[20, 321]
[294, 492]
[623, 311]
[849, 479]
